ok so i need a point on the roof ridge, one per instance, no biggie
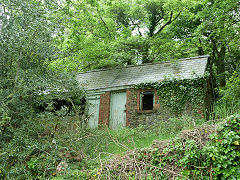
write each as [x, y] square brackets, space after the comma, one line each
[137, 65]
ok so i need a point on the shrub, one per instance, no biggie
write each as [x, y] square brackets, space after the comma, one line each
[219, 158]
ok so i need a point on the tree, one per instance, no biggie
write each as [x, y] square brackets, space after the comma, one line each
[100, 34]
[111, 33]
[211, 26]
[27, 48]
[27, 33]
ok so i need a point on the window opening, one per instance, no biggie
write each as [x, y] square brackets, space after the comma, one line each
[147, 101]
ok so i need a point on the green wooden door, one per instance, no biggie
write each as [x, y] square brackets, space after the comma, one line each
[93, 111]
[117, 110]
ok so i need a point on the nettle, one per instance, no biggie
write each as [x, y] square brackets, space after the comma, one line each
[175, 93]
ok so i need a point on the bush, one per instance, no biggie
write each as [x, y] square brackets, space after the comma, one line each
[219, 158]
[224, 150]
[26, 134]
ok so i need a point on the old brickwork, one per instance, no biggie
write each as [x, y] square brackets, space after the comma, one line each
[104, 109]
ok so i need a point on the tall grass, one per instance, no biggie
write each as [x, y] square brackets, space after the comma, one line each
[223, 110]
[106, 141]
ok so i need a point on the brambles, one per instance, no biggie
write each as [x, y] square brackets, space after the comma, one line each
[194, 155]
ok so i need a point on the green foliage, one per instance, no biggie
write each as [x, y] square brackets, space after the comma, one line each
[102, 34]
[229, 101]
[175, 93]
[102, 145]
[23, 153]
[209, 27]
[219, 158]
[37, 148]
[26, 45]
[225, 152]
[24, 156]
[98, 34]
[231, 92]
[114, 33]
[173, 126]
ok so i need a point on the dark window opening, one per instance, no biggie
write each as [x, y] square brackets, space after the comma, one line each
[147, 101]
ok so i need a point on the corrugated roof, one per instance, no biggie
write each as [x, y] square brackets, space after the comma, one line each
[131, 75]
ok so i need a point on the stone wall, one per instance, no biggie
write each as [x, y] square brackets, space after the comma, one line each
[134, 113]
[136, 116]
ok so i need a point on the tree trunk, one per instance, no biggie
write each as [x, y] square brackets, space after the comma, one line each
[219, 59]
[221, 65]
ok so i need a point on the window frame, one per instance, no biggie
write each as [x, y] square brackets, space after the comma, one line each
[141, 100]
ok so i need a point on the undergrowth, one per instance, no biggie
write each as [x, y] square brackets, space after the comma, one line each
[99, 146]
[208, 152]
[69, 152]
[38, 148]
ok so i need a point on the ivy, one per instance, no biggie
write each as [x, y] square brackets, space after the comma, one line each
[176, 93]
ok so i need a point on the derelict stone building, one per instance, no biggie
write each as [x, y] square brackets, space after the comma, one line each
[113, 100]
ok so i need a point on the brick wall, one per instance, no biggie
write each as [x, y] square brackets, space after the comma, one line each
[104, 109]
[132, 104]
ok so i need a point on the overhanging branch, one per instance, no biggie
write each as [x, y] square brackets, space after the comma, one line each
[168, 22]
[105, 25]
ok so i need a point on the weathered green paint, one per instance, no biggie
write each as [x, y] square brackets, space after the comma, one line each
[117, 110]
[93, 111]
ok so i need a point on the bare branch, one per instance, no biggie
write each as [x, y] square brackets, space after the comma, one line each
[169, 22]
[105, 25]
[139, 30]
